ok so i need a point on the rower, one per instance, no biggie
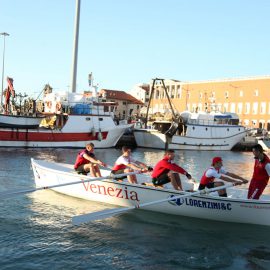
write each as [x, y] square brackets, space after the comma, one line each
[166, 171]
[86, 161]
[125, 164]
[217, 171]
[261, 173]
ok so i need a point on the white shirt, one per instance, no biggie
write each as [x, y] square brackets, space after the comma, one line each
[212, 172]
[124, 160]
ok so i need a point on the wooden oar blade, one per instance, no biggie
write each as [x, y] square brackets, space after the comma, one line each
[77, 220]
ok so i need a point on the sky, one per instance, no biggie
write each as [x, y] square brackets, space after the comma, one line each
[126, 42]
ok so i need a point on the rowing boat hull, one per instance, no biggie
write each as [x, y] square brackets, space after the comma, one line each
[124, 194]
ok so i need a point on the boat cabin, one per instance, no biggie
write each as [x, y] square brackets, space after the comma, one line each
[59, 106]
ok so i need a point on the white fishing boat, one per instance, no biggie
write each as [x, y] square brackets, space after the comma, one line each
[71, 120]
[19, 121]
[188, 131]
[235, 208]
[196, 131]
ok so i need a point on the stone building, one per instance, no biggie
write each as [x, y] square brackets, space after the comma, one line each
[248, 97]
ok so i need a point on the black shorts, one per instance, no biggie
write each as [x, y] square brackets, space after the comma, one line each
[113, 172]
[209, 185]
[161, 180]
[80, 170]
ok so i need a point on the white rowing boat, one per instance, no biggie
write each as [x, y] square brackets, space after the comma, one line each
[235, 208]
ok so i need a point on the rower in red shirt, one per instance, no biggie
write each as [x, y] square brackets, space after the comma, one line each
[216, 171]
[86, 161]
[166, 171]
[261, 173]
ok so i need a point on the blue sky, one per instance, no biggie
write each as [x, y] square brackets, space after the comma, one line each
[125, 42]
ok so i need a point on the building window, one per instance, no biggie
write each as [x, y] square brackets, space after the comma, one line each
[226, 107]
[247, 108]
[241, 93]
[261, 123]
[255, 108]
[263, 108]
[179, 91]
[227, 94]
[232, 108]
[172, 91]
[239, 108]
[256, 93]
[124, 103]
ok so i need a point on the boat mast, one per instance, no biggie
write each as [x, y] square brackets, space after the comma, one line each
[75, 47]
[151, 96]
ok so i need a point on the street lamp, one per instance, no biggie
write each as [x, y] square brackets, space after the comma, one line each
[4, 34]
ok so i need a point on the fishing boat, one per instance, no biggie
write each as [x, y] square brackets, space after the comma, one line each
[195, 131]
[188, 131]
[235, 208]
[71, 120]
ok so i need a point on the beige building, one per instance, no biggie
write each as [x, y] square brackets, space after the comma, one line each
[248, 97]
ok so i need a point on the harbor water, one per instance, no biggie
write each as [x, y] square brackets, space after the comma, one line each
[36, 230]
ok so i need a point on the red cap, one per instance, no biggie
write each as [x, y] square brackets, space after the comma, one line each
[216, 159]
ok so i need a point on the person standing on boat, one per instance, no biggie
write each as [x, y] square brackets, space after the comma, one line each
[126, 164]
[166, 171]
[9, 91]
[87, 162]
[261, 173]
[217, 171]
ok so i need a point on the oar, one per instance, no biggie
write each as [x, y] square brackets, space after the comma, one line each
[77, 220]
[84, 180]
